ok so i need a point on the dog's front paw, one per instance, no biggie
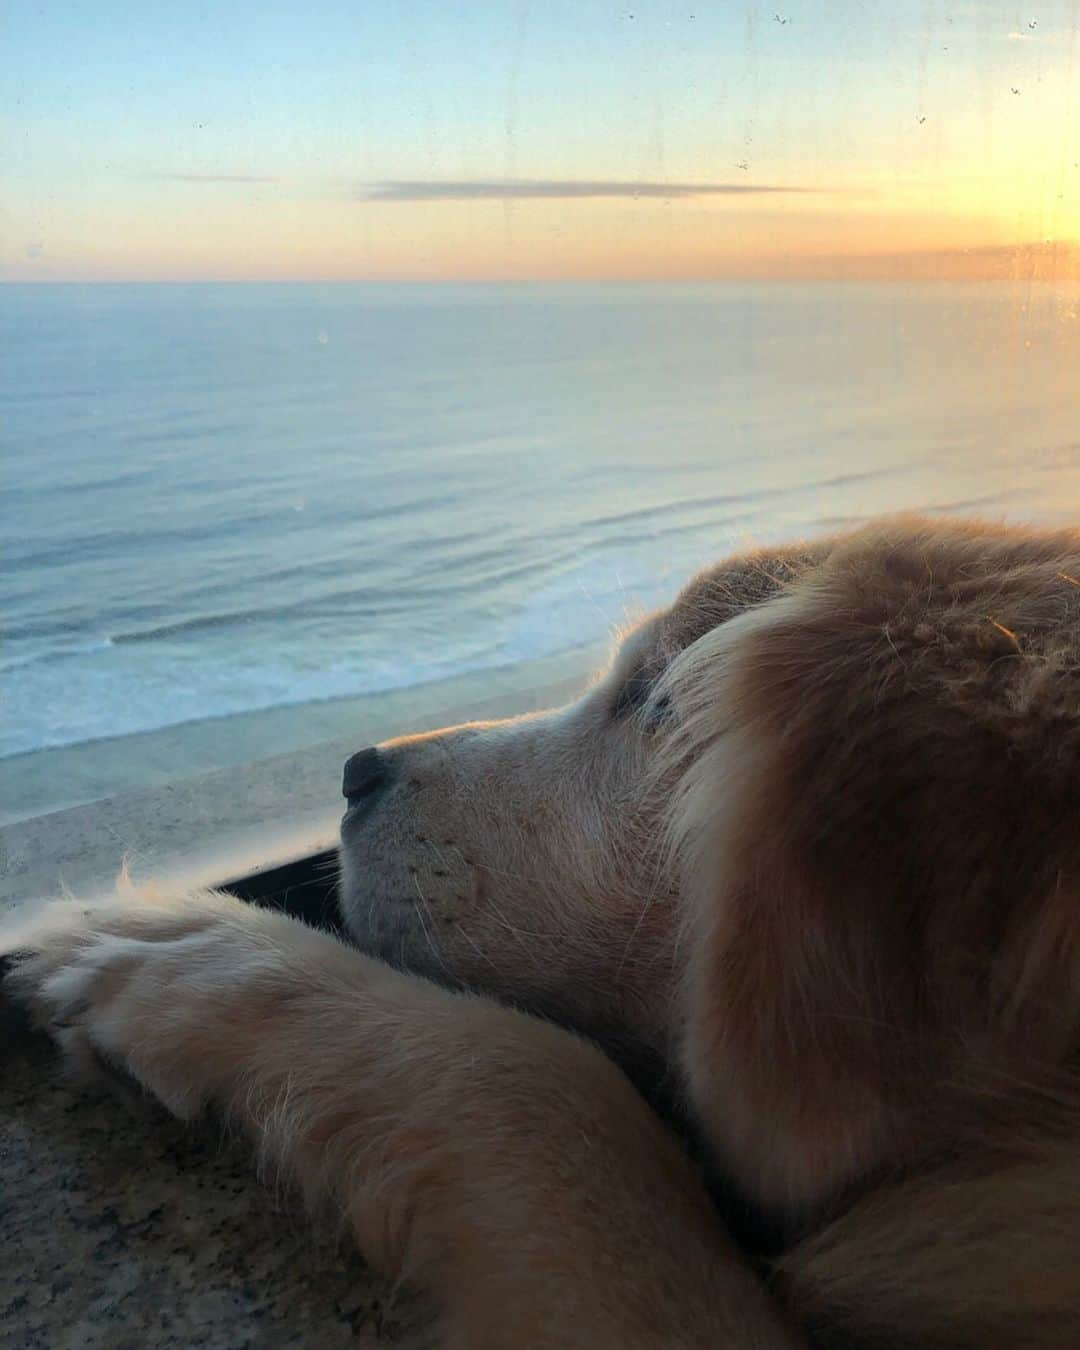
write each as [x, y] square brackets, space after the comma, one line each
[148, 984]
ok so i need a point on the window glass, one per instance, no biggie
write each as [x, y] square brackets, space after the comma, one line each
[360, 353]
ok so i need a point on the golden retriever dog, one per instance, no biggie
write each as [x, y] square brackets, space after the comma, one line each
[805, 863]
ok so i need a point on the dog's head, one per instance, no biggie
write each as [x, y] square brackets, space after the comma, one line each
[812, 834]
[527, 857]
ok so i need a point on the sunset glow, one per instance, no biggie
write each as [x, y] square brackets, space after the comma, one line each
[577, 140]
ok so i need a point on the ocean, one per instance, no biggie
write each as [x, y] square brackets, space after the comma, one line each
[231, 512]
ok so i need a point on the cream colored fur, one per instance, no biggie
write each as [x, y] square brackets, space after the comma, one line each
[810, 843]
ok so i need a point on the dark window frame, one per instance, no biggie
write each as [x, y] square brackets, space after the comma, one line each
[305, 889]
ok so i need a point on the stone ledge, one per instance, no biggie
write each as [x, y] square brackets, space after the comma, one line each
[127, 1230]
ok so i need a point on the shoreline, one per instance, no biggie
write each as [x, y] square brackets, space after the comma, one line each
[39, 782]
[239, 820]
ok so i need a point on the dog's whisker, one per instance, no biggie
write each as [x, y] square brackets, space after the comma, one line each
[425, 909]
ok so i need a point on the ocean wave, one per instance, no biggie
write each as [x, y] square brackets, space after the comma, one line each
[139, 707]
[73, 652]
[26, 553]
[200, 623]
[133, 686]
[475, 575]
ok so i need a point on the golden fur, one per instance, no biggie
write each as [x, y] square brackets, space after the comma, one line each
[807, 852]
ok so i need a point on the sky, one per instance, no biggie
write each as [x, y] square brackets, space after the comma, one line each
[503, 139]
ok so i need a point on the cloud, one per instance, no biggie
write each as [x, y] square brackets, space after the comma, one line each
[208, 178]
[521, 189]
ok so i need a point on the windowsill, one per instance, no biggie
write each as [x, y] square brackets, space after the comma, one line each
[270, 820]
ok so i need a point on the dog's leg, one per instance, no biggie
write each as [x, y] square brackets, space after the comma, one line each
[498, 1161]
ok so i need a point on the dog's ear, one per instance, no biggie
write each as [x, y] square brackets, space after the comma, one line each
[876, 826]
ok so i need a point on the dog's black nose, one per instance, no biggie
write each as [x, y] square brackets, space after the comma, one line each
[365, 773]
